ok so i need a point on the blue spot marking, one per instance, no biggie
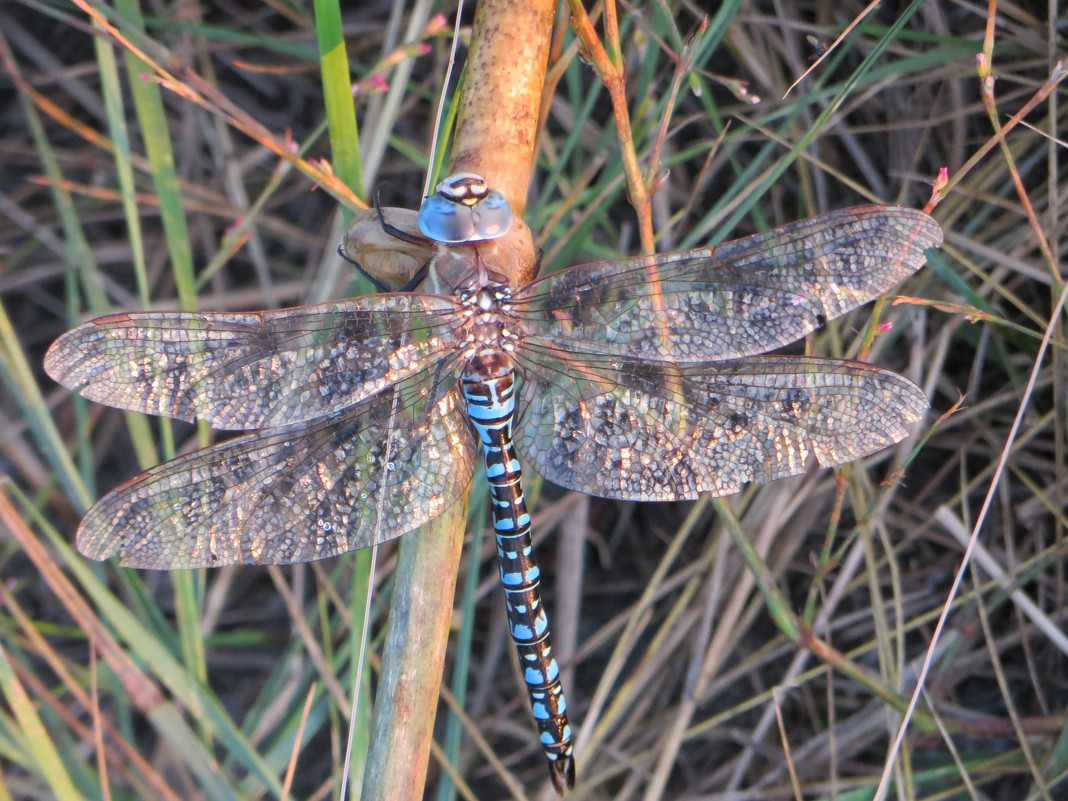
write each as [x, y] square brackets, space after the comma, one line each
[494, 470]
[561, 706]
[534, 573]
[504, 523]
[547, 738]
[554, 670]
[540, 624]
[533, 676]
[540, 712]
[522, 632]
[567, 735]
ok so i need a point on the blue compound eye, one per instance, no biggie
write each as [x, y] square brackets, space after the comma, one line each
[464, 209]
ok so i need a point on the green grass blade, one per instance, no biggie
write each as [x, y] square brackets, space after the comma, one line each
[37, 741]
[337, 96]
[148, 103]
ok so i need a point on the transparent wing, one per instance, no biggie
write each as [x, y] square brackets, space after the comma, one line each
[293, 494]
[659, 432]
[256, 369]
[731, 300]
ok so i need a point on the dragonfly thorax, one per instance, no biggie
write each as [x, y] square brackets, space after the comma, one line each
[461, 270]
[488, 297]
[490, 328]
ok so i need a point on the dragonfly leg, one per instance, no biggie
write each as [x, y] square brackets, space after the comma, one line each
[410, 286]
[538, 253]
[378, 285]
[394, 231]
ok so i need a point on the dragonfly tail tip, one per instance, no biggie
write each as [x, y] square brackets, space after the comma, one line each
[562, 771]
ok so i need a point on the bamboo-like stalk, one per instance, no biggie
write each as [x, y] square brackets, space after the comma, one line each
[496, 129]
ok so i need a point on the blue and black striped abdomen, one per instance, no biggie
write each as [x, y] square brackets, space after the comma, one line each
[489, 389]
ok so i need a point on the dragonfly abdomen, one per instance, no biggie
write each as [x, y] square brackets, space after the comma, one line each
[488, 386]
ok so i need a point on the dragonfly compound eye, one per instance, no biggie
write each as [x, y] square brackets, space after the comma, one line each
[464, 209]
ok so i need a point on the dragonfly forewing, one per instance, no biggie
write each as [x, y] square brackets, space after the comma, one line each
[255, 369]
[732, 300]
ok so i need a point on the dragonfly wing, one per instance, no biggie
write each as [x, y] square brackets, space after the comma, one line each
[731, 300]
[293, 494]
[255, 369]
[660, 432]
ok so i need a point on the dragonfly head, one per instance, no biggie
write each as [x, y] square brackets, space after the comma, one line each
[464, 209]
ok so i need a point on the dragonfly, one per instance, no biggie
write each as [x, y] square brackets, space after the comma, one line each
[639, 379]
